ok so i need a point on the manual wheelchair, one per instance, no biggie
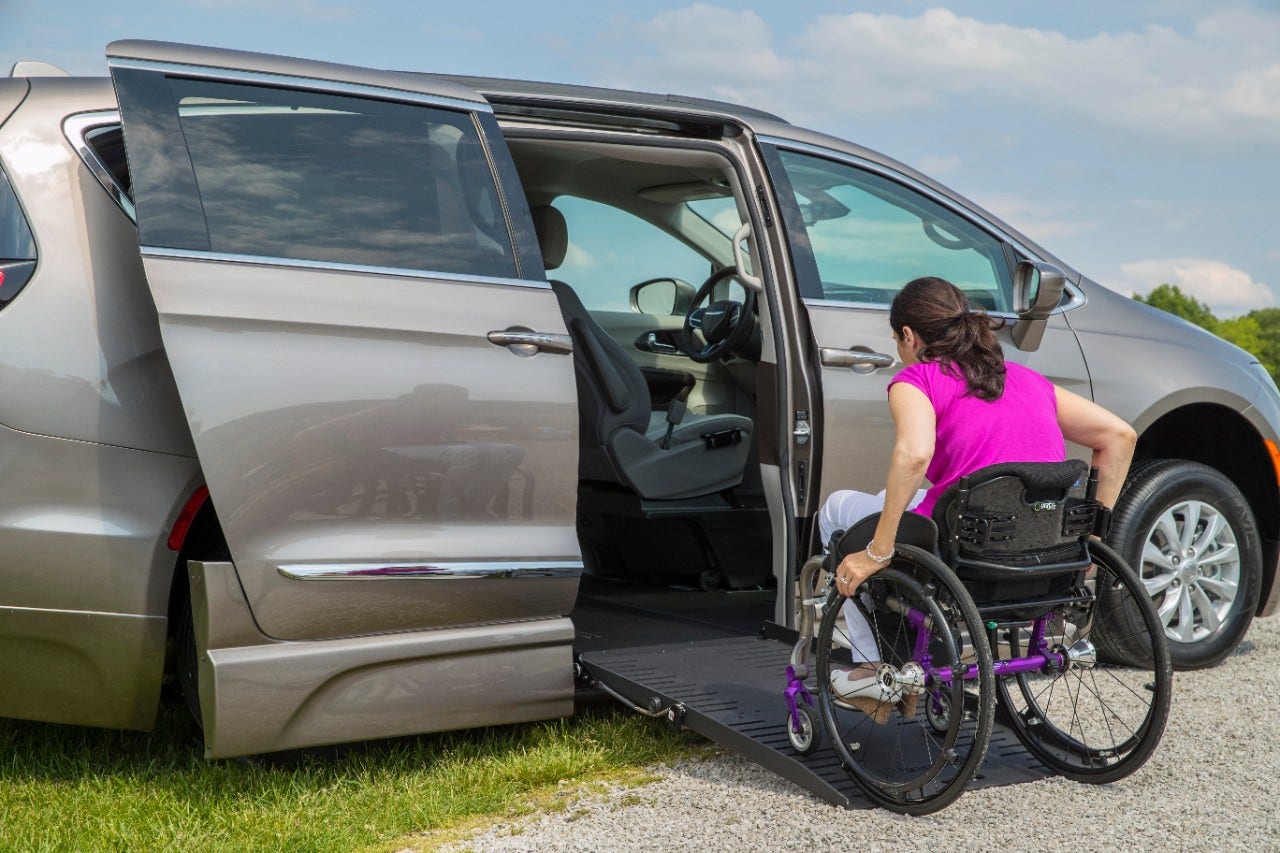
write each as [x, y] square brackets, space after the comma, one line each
[1001, 600]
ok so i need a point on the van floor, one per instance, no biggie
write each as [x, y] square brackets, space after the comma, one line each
[617, 613]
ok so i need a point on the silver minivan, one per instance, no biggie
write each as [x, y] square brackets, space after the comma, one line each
[365, 403]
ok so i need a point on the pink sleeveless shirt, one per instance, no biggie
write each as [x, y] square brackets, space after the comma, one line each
[1021, 426]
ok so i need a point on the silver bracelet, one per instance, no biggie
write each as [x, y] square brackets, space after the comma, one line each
[876, 558]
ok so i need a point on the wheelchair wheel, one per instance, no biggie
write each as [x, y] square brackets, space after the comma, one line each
[932, 742]
[808, 739]
[1095, 721]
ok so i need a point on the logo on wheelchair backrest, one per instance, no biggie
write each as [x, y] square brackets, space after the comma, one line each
[1044, 506]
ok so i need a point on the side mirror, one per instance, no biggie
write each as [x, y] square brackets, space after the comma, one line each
[661, 297]
[1037, 290]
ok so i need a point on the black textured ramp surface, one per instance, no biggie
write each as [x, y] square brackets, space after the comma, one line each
[731, 689]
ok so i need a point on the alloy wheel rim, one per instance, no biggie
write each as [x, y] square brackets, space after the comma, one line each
[1191, 570]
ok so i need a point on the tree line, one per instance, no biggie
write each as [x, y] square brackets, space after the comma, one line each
[1258, 331]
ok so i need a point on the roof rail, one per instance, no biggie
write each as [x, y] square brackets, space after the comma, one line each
[32, 68]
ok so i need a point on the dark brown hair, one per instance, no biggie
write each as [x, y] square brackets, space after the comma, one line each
[956, 336]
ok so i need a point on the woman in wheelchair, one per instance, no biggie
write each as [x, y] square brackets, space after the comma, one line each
[958, 407]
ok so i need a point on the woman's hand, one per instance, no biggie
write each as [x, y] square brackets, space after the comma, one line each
[853, 570]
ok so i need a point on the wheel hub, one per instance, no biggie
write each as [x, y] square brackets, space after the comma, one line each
[1082, 654]
[1191, 569]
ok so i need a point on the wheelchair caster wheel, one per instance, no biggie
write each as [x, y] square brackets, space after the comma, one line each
[937, 713]
[710, 580]
[809, 738]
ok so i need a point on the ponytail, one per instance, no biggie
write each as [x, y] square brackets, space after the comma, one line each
[959, 338]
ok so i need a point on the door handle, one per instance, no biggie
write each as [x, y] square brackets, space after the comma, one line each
[652, 344]
[860, 359]
[526, 342]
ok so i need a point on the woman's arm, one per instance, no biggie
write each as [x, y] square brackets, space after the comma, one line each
[916, 428]
[1111, 439]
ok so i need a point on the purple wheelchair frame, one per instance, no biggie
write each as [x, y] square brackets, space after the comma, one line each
[1040, 656]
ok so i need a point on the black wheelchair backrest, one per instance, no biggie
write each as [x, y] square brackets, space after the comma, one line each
[1023, 517]
[914, 529]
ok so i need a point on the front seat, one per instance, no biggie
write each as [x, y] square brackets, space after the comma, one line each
[620, 440]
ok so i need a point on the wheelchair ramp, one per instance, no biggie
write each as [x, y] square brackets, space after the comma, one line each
[729, 690]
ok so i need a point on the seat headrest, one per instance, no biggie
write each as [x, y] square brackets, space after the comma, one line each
[553, 234]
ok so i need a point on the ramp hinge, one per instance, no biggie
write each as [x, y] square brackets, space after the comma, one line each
[673, 713]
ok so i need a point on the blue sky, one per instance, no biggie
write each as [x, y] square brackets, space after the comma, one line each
[1139, 141]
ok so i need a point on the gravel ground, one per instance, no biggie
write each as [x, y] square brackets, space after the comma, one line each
[1212, 785]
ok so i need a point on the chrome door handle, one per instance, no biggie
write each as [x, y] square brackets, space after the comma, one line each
[655, 345]
[526, 342]
[855, 358]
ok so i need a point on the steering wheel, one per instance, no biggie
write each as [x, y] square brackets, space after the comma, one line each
[725, 324]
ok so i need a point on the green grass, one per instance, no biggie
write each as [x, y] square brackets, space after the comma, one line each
[69, 788]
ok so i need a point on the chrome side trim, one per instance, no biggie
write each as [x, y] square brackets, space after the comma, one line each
[434, 571]
[78, 129]
[316, 84]
[260, 260]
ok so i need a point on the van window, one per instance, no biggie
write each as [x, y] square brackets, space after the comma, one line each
[108, 143]
[17, 247]
[870, 236]
[16, 243]
[611, 250]
[322, 177]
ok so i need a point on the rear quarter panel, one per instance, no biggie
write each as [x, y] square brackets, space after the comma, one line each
[95, 455]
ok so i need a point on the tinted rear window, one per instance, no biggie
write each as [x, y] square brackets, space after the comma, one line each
[16, 243]
[318, 177]
[108, 144]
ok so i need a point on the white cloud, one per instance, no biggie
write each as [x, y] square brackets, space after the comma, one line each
[1227, 290]
[1220, 82]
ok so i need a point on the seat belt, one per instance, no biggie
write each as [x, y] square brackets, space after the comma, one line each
[675, 413]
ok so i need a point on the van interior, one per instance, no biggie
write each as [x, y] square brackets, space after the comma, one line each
[672, 512]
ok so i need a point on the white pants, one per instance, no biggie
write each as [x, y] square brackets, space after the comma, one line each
[840, 511]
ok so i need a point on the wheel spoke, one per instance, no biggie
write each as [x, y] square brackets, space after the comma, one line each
[1208, 615]
[1186, 630]
[1190, 521]
[1118, 680]
[1151, 553]
[1221, 587]
[1168, 607]
[1158, 584]
[1212, 528]
[1226, 552]
[1168, 525]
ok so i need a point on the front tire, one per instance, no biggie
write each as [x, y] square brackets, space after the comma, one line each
[1190, 536]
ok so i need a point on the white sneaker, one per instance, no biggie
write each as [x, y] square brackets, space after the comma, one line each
[866, 693]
